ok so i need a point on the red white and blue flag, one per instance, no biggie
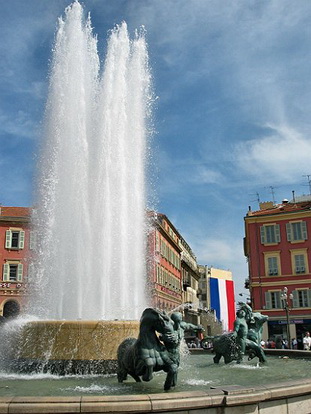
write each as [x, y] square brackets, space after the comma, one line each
[222, 301]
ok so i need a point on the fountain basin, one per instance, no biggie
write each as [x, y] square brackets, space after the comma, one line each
[75, 347]
[283, 386]
[291, 397]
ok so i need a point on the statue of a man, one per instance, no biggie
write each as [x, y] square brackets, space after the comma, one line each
[240, 332]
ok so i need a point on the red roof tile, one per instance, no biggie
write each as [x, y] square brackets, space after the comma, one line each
[282, 208]
[15, 211]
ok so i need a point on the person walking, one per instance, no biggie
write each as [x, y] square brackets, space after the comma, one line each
[307, 342]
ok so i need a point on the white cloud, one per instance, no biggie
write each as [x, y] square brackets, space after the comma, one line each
[202, 175]
[20, 125]
[279, 156]
[223, 252]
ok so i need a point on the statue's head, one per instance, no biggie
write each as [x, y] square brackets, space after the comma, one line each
[156, 319]
[176, 317]
[241, 313]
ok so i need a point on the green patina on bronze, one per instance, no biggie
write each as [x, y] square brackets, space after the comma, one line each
[245, 338]
[157, 348]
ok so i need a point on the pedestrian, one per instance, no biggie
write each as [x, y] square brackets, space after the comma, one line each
[294, 343]
[307, 342]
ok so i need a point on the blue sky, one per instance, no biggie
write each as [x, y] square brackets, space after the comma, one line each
[232, 118]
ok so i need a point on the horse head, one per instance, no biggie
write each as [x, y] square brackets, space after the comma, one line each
[156, 320]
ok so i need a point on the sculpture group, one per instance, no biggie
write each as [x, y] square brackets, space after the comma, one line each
[158, 344]
[156, 349]
[245, 338]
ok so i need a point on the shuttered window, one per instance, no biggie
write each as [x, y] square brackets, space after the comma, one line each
[270, 233]
[296, 231]
[302, 298]
[273, 266]
[273, 300]
[300, 266]
[14, 239]
[12, 272]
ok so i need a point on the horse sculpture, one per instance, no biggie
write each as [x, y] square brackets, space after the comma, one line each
[147, 354]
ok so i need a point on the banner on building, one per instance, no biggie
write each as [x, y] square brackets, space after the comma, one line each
[222, 301]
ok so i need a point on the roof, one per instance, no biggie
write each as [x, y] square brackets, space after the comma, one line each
[282, 208]
[15, 211]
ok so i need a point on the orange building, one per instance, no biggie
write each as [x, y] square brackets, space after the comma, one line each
[278, 249]
[164, 263]
[15, 246]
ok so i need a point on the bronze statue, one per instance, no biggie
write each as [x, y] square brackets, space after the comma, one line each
[180, 327]
[156, 349]
[245, 338]
[141, 357]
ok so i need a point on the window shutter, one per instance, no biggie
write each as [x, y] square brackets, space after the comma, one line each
[6, 272]
[32, 240]
[279, 304]
[262, 234]
[268, 300]
[295, 299]
[304, 230]
[21, 241]
[8, 239]
[30, 274]
[288, 232]
[277, 233]
[19, 272]
[309, 298]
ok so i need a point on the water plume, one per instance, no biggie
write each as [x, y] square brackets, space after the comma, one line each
[90, 210]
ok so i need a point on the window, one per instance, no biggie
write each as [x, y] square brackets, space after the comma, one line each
[296, 231]
[272, 263]
[157, 244]
[32, 240]
[12, 272]
[299, 258]
[270, 233]
[273, 266]
[302, 298]
[14, 239]
[300, 263]
[273, 300]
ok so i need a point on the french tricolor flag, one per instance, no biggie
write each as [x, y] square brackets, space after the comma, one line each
[222, 301]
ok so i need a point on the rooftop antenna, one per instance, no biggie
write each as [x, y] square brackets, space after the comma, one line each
[257, 197]
[272, 193]
[309, 181]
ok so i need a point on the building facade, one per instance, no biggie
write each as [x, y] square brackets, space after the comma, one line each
[15, 245]
[190, 283]
[164, 263]
[277, 246]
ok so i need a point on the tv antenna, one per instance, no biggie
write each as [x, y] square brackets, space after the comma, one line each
[257, 197]
[272, 193]
[309, 181]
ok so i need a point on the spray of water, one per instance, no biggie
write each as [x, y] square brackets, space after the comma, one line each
[90, 215]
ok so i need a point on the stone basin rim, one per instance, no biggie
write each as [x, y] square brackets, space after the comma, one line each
[225, 397]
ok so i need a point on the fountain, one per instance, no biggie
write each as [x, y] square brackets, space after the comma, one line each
[89, 264]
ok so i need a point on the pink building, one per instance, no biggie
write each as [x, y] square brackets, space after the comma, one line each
[15, 245]
[277, 246]
[164, 263]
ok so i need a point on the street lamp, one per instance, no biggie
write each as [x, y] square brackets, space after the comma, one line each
[284, 298]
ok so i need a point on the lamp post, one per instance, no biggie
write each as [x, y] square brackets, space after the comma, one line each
[284, 298]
